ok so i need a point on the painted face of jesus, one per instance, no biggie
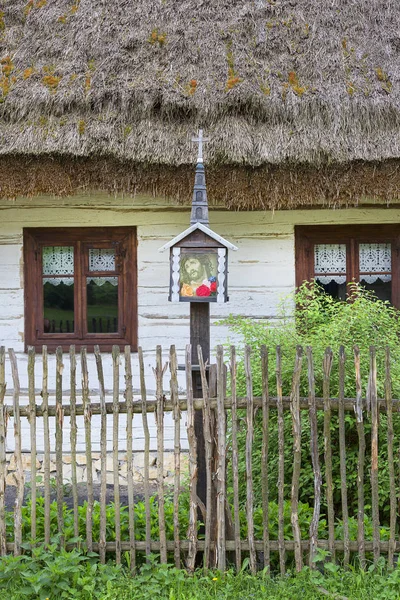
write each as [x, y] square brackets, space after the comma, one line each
[194, 269]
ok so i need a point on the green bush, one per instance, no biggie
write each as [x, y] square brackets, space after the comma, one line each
[313, 318]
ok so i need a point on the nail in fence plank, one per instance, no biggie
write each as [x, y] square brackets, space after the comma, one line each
[373, 395]
[235, 460]
[146, 432]
[176, 413]
[249, 452]
[32, 427]
[117, 503]
[281, 462]
[264, 458]
[314, 459]
[59, 441]
[327, 368]
[19, 472]
[103, 456]
[361, 459]
[3, 460]
[390, 435]
[159, 415]
[296, 421]
[342, 452]
[192, 529]
[72, 436]
[129, 456]
[88, 446]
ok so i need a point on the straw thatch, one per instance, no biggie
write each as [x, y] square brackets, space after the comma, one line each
[301, 98]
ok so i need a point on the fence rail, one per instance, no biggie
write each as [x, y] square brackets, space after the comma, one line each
[218, 521]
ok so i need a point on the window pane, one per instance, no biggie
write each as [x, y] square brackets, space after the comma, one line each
[330, 268]
[102, 304]
[58, 305]
[58, 260]
[376, 269]
[101, 259]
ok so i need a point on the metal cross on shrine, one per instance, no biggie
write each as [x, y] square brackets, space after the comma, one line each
[200, 140]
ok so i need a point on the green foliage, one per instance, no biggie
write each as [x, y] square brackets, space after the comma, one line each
[313, 318]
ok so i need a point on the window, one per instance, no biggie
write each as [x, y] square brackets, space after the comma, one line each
[336, 255]
[80, 287]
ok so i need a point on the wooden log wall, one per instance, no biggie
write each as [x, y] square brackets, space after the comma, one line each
[240, 520]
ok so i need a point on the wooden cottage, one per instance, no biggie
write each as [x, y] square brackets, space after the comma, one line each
[98, 104]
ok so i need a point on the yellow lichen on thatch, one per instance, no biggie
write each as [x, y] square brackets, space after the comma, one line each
[6, 81]
[191, 87]
[2, 22]
[298, 89]
[81, 127]
[233, 78]
[32, 4]
[157, 38]
[50, 79]
[28, 72]
[384, 80]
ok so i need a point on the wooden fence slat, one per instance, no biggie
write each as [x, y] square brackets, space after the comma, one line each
[314, 450]
[342, 452]
[117, 503]
[264, 457]
[59, 442]
[392, 480]
[192, 529]
[32, 427]
[129, 456]
[327, 368]
[373, 395]
[235, 460]
[296, 422]
[249, 463]
[46, 444]
[3, 461]
[19, 472]
[72, 436]
[103, 456]
[146, 432]
[159, 373]
[176, 413]
[281, 462]
[361, 459]
[88, 446]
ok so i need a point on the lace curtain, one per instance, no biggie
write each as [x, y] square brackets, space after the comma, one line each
[330, 263]
[102, 259]
[375, 262]
[59, 260]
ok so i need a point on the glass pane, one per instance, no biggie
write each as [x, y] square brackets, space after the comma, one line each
[330, 268]
[102, 304]
[58, 260]
[58, 305]
[101, 259]
[198, 275]
[376, 269]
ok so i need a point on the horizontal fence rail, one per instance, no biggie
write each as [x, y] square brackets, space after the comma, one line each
[241, 495]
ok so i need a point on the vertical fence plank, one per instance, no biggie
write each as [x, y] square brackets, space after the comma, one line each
[281, 462]
[361, 459]
[373, 394]
[117, 503]
[314, 458]
[72, 437]
[296, 421]
[103, 455]
[146, 432]
[129, 456]
[176, 413]
[159, 373]
[3, 460]
[87, 417]
[19, 472]
[235, 460]
[46, 444]
[32, 427]
[342, 452]
[192, 529]
[264, 457]
[249, 452]
[59, 441]
[390, 435]
[327, 368]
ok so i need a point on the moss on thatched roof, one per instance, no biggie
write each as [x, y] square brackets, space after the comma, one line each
[276, 84]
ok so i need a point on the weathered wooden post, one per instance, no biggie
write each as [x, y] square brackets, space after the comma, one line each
[199, 275]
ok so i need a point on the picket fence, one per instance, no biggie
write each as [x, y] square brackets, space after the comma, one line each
[217, 541]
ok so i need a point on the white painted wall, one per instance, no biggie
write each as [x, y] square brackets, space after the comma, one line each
[260, 273]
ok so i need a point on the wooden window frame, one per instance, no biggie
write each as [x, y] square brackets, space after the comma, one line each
[82, 238]
[306, 236]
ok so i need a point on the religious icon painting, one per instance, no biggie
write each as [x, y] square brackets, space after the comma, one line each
[198, 274]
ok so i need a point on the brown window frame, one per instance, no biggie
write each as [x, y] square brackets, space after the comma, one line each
[82, 238]
[306, 236]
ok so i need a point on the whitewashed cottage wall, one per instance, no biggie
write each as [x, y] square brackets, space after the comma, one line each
[260, 273]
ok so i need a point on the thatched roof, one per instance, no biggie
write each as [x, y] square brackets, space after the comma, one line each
[291, 93]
